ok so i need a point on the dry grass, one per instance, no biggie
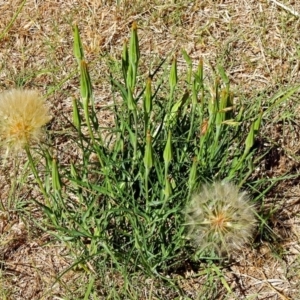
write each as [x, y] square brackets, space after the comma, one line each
[258, 44]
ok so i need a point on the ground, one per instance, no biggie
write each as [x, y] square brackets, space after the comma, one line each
[257, 42]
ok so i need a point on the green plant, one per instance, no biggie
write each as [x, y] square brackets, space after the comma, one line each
[162, 144]
[121, 201]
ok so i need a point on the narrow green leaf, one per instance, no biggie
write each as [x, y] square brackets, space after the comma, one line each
[73, 171]
[253, 131]
[251, 135]
[240, 114]
[224, 108]
[257, 123]
[121, 88]
[171, 117]
[249, 140]
[222, 278]
[187, 58]
[224, 76]
[74, 175]
[190, 65]
[281, 97]
[89, 288]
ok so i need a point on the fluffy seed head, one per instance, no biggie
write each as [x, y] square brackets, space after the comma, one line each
[220, 218]
[22, 115]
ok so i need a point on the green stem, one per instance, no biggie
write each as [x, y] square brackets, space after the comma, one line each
[35, 173]
[12, 21]
[147, 188]
[136, 136]
[87, 118]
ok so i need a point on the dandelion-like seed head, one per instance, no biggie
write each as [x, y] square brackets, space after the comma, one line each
[23, 113]
[220, 218]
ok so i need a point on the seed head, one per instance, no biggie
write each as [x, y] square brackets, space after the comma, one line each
[220, 218]
[23, 113]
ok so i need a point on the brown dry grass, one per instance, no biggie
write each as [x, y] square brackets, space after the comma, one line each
[258, 44]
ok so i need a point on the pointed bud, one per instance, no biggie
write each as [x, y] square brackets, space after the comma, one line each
[134, 50]
[148, 158]
[76, 115]
[148, 96]
[200, 71]
[78, 50]
[85, 84]
[56, 183]
[168, 153]
[173, 75]
[134, 56]
[193, 174]
[168, 188]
